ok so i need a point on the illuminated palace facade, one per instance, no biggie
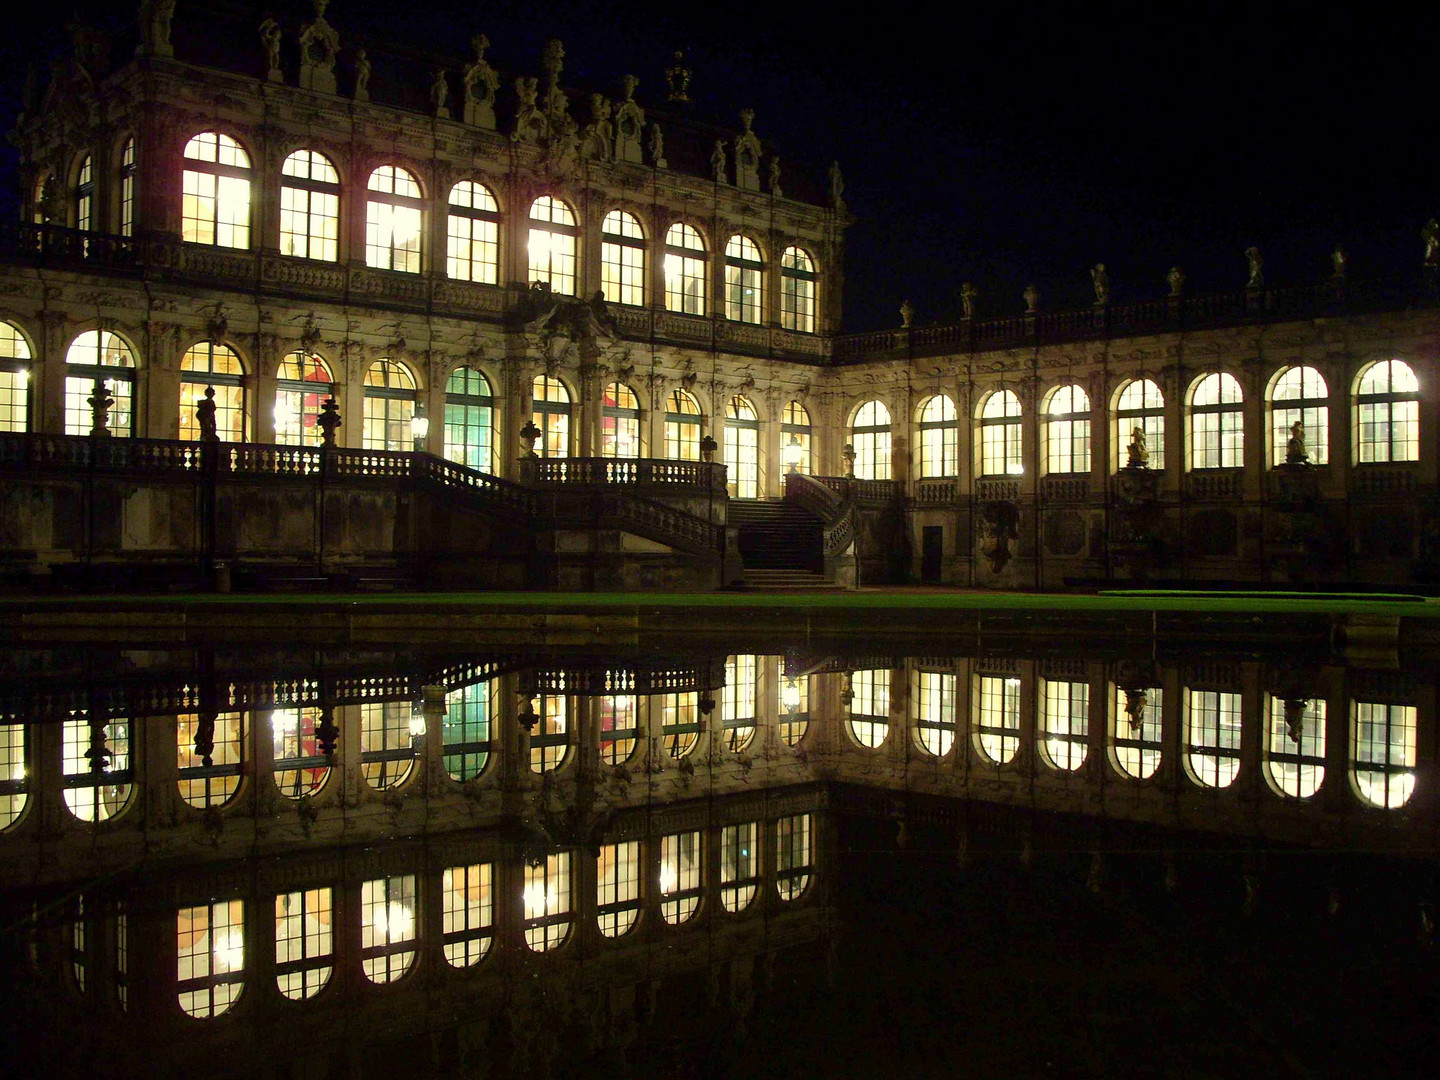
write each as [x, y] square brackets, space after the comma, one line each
[563, 308]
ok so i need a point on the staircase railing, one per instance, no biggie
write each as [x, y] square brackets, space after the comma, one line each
[836, 514]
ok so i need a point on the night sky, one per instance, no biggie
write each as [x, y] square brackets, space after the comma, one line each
[1001, 146]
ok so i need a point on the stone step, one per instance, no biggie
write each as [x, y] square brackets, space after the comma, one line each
[785, 579]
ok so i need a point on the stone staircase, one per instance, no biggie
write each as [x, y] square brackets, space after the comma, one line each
[780, 544]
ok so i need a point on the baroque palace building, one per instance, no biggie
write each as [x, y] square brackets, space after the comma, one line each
[536, 328]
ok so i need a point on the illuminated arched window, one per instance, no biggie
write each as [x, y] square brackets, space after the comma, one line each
[795, 438]
[1064, 723]
[939, 435]
[870, 437]
[682, 427]
[1387, 414]
[14, 379]
[797, 290]
[622, 259]
[619, 727]
[1135, 730]
[737, 701]
[467, 912]
[932, 709]
[394, 221]
[1382, 753]
[550, 741]
[739, 865]
[869, 721]
[997, 717]
[389, 927]
[553, 242]
[1295, 746]
[210, 364]
[680, 722]
[681, 874]
[742, 449]
[127, 188]
[210, 957]
[1300, 394]
[473, 245]
[469, 713]
[1212, 737]
[685, 266]
[309, 207]
[1142, 405]
[14, 772]
[301, 769]
[99, 354]
[387, 743]
[620, 422]
[546, 900]
[302, 383]
[1217, 426]
[96, 766]
[470, 420]
[209, 756]
[1001, 441]
[389, 406]
[794, 858]
[215, 186]
[304, 942]
[794, 718]
[550, 412]
[85, 195]
[1067, 431]
[744, 281]
[617, 887]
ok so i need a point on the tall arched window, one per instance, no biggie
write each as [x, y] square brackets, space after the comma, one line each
[99, 354]
[797, 290]
[85, 195]
[620, 422]
[467, 913]
[394, 220]
[14, 772]
[210, 364]
[1001, 446]
[473, 245]
[554, 238]
[795, 437]
[619, 727]
[470, 420]
[550, 741]
[550, 412]
[1387, 414]
[387, 743]
[469, 712]
[738, 701]
[1064, 723]
[309, 207]
[14, 379]
[205, 783]
[617, 887]
[301, 768]
[997, 711]
[1141, 405]
[302, 383]
[932, 708]
[742, 449]
[1300, 394]
[739, 865]
[127, 188]
[389, 917]
[682, 427]
[215, 192]
[794, 858]
[744, 281]
[682, 865]
[939, 435]
[870, 436]
[389, 406]
[1212, 737]
[794, 719]
[1295, 746]
[304, 942]
[546, 902]
[1382, 753]
[210, 957]
[95, 762]
[869, 721]
[622, 259]
[1067, 431]
[680, 722]
[684, 270]
[1217, 427]
[1135, 730]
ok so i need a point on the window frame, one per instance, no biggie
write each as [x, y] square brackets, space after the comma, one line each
[1313, 411]
[563, 281]
[327, 214]
[744, 275]
[1230, 421]
[552, 415]
[685, 266]
[798, 288]
[382, 213]
[939, 438]
[617, 418]
[462, 222]
[1388, 399]
[872, 441]
[1150, 418]
[1009, 443]
[463, 401]
[1067, 434]
[623, 259]
[741, 453]
[239, 233]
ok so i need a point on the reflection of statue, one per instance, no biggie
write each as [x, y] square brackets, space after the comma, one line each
[362, 75]
[1137, 453]
[1295, 718]
[968, 293]
[1257, 264]
[717, 161]
[1431, 235]
[1295, 445]
[837, 187]
[1135, 703]
[1176, 278]
[1101, 281]
[270, 38]
[205, 416]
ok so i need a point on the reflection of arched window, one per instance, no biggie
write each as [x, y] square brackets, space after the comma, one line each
[680, 722]
[127, 188]
[1064, 723]
[1001, 442]
[205, 785]
[939, 434]
[210, 957]
[797, 291]
[99, 354]
[387, 743]
[1382, 753]
[393, 221]
[932, 708]
[473, 246]
[681, 864]
[85, 195]
[550, 412]
[96, 764]
[389, 405]
[309, 207]
[467, 912]
[742, 449]
[1212, 737]
[1217, 427]
[795, 436]
[794, 709]
[389, 912]
[14, 772]
[14, 380]
[744, 281]
[302, 384]
[1295, 746]
[739, 865]
[618, 727]
[300, 768]
[997, 724]
[622, 259]
[210, 364]
[617, 887]
[620, 422]
[870, 437]
[470, 420]
[684, 270]
[869, 721]
[793, 857]
[1142, 405]
[682, 427]
[553, 240]
[468, 715]
[1135, 731]
[546, 899]
[215, 184]
[737, 701]
[550, 741]
[1300, 393]
[1387, 414]
[304, 942]
[1067, 431]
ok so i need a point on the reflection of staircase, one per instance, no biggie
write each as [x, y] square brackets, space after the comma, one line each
[780, 544]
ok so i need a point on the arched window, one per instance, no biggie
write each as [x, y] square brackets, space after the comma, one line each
[553, 240]
[619, 727]
[85, 195]
[1212, 737]
[309, 207]
[387, 743]
[620, 422]
[1141, 405]
[682, 427]
[870, 436]
[997, 709]
[737, 702]
[1295, 746]
[468, 714]
[210, 364]
[681, 872]
[932, 708]
[470, 420]
[794, 718]
[1064, 723]
[550, 412]
[622, 259]
[14, 379]
[300, 768]
[1000, 435]
[99, 354]
[680, 722]
[208, 756]
[793, 856]
[1217, 427]
[302, 383]
[939, 432]
[797, 291]
[739, 865]
[550, 741]
[869, 722]
[795, 436]
[742, 449]
[1387, 414]
[210, 957]
[617, 887]
[389, 406]
[304, 942]
[473, 247]
[684, 270]
[467, 913]
[1067, 431]
[127, 188]
[744, 281]
[1382, 753]
[14, 772]
[394, 221]
[546, 900]
[389, 917]
[1300, 394]
[1135, 731]
[215, 187]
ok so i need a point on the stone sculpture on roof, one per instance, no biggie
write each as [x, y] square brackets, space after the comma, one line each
[747, 154]
[318, 45]
[481, 84]
[629, 122]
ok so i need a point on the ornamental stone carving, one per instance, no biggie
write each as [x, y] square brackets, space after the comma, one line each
[362, 76]
[480, 83]
[318, 45]
[629, 123]
[270, 39]
[747, 154]
[154, 19]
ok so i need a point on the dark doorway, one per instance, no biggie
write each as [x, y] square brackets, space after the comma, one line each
[932, 547]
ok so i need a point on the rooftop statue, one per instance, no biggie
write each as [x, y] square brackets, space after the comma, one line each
[657, 147]
[480, 84]
[600, 132]
[837, 186]
[1431, 235]
[1257, 271]
[1101, 281]
[677, 75]
[1031, 296]
[1176, 278]
[362, 75]
[270, 38]
[773, 177]
[629, 122]
[439, 94]
[968, 293]
[154, 18]
[1339, 261]
[717, 161]
[319, 43]
[747, 154]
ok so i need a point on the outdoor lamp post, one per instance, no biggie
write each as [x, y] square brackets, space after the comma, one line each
[419, 428]
[792, 454]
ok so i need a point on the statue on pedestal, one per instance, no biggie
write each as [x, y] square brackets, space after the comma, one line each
[205, 417]
[155, 16]
[319, 44]
[1257, 272]
[1101, 281]
[270, 38]
[1176, 278]
[968, 295]
[1137, 453]
[481, 84]
[1430, 234]
[837, 187]
[1295, 445]
[329, 422]
[101, 401]
[717, 161]
[362, 75]
[1031, 296]
[439, 94]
